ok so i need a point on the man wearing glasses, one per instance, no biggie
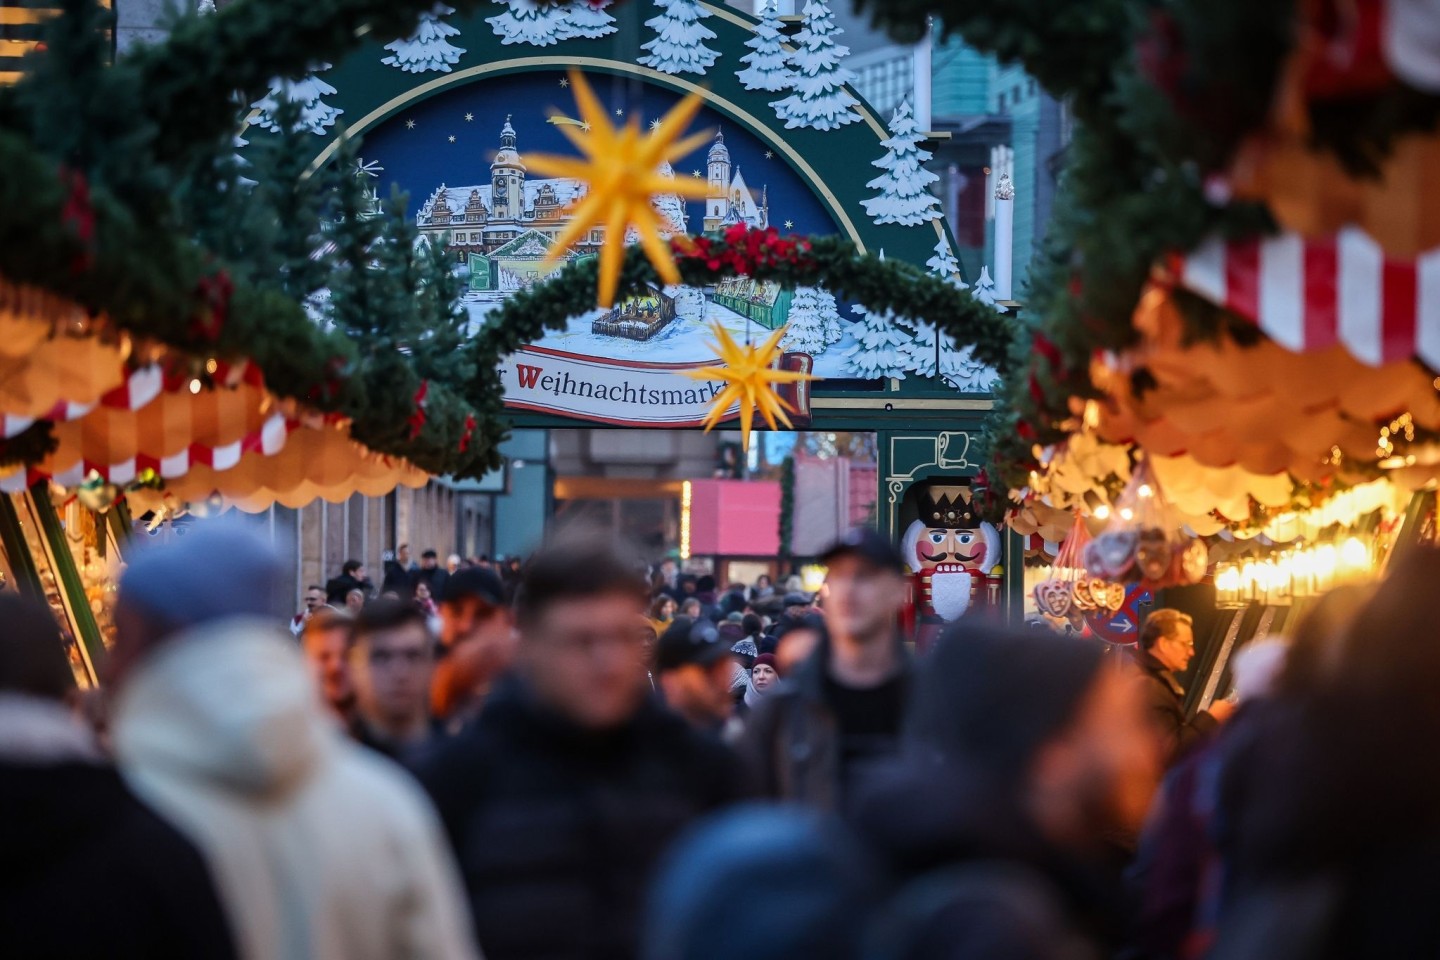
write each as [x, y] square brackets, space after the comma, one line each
[562, 796]
[1167, 645]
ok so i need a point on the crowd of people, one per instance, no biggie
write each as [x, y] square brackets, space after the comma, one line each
[591, 758]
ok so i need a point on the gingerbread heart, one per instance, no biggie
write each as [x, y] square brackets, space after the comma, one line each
[1114, 552]
[1194, 560]
[1084, 599]
[1153, 554]
[1053, 597]
[1114, 596]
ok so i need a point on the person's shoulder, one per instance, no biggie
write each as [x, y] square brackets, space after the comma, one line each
[391, 794]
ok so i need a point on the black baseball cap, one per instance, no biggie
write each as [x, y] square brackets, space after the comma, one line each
[796, 600]
[688, 641]
[868, 545]
[481, 583]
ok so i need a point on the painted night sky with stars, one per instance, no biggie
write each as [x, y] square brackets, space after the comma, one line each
[452, 137]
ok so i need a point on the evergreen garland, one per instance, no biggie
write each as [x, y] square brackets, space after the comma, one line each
[787, 507]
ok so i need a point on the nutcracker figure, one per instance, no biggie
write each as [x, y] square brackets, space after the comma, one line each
[954, 559]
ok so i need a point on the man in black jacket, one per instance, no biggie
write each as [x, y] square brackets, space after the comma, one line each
[72, 828]
[564, 794]
[1166, 647]
[843, 708]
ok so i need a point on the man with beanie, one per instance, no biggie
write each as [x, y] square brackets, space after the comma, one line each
[1025, 753]
[320, 848]
[72, 826]
[811, 740]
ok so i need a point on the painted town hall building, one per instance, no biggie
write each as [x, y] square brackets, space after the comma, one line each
[505, 228]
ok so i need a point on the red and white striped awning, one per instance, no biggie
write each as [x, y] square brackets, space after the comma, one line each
[1312, 294]
[141, 387]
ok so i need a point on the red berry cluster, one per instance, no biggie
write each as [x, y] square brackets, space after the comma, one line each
[743, 250]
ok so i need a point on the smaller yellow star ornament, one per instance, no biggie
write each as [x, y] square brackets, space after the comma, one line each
[749, 377]
[622, 170]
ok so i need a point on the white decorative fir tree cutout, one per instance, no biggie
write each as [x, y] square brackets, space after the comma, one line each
[679, 44]
[315, 114]
[985, 289]
[830, 314]
[427, 48]
[588, 19]
[767, 68]
[955, 364]
[904, 195]
[879, 345]
[806, 324]
[532, 22]
[819, 99]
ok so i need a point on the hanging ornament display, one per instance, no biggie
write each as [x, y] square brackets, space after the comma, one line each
[1071, 591]
[622, 170]
[1142, 541]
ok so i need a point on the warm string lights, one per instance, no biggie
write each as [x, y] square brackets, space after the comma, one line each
[1303, 571]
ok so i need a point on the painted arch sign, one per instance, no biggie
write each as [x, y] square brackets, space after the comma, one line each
[450, 114]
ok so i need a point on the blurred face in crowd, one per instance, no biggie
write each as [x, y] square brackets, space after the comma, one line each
[763, 677]
[354, 600]
[863, 599]
[359, 573]
[691, 609]
[314, 599]
[699, 693]
[422, 591]
[392, 674]
[579, 654]
[667, 609]
[427, 561]
[402, 554]
[325, 650]
[1101, 772]
[452, 562]
[1176, 650]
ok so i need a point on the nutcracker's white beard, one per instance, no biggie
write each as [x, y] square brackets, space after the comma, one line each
[950, 594]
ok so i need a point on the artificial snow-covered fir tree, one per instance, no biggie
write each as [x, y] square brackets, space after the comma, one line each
[944, 265]
[315, 114]
[427, 48]
[767, 69]
[679, 44]
[879, 345]
[819, 98]
[588, 19]
[903, 197]
[830, 314]
[805, 332]
[536, 22]
[985, 289]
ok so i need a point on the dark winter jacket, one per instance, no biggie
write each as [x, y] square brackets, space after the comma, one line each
[338, 588]
[972, 879]
[1166, 700]
[792, 740]
[558, 829]
[86, 870]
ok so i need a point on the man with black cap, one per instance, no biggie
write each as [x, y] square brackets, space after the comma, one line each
[477, 642]
[843, 709]
[1024, 755]
[695, 671]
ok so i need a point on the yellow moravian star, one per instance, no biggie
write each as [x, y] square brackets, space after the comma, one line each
[749, 378]
[622, 169]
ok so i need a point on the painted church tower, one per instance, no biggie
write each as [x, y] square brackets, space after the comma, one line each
[507, 179]
[718, 201]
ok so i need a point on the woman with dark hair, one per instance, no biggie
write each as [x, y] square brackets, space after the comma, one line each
[662, 611]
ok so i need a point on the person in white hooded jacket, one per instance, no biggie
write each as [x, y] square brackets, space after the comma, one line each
[321, 850]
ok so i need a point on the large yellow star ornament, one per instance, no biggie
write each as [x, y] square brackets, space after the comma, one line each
[749, 377]
[622, 170]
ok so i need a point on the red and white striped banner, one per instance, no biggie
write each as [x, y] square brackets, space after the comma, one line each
[1312, 294]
